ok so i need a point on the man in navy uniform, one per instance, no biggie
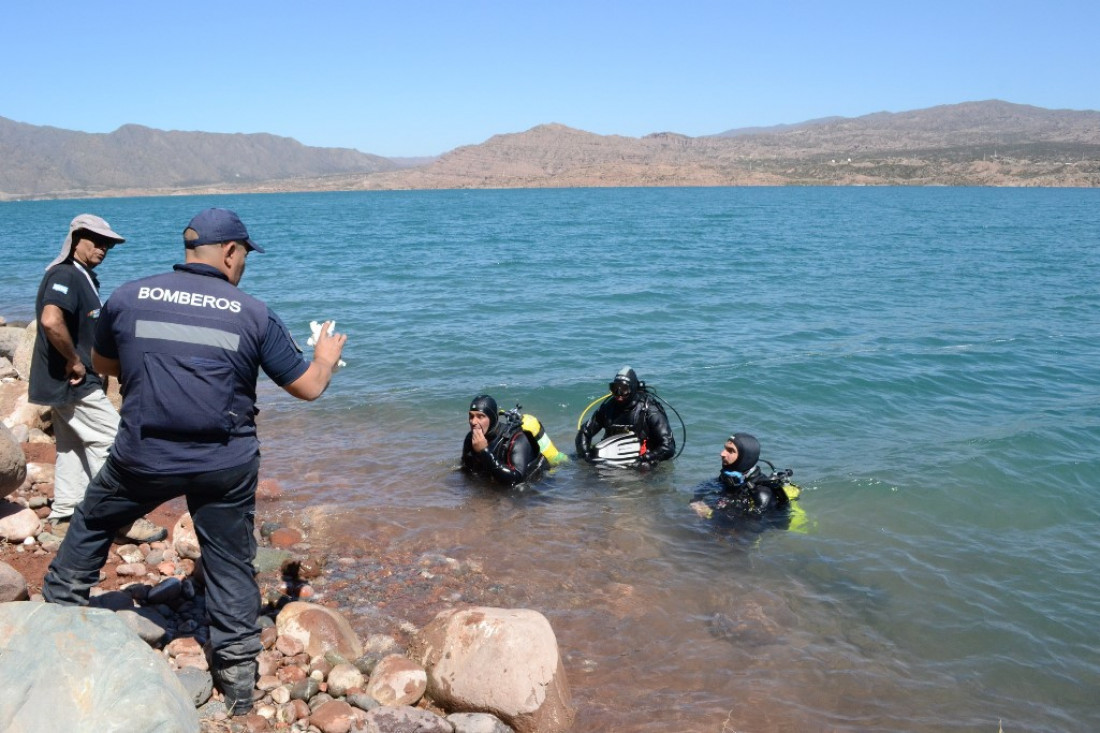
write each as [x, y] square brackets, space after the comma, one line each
[187, 346]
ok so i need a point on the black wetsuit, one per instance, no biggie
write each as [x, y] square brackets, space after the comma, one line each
[643, 416]
[511, 458]
[752, 496]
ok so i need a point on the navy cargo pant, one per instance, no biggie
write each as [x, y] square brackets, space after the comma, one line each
[223, 507]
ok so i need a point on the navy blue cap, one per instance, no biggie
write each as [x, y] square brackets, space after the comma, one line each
[214, 226]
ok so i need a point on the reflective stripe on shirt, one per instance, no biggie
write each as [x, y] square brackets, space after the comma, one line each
[181, 333]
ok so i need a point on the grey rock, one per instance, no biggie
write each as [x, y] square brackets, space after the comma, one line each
[304, 689]
[318, 699]
[362, 701]
[151, 627]
[58, 659]
[477, 723]
[335, 658]
[212, 709]
[13, 464]
[403, 719]
[268, 528]
[198, 683]
[368, 662]
[269, 559]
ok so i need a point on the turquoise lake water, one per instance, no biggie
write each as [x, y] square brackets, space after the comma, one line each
[926, 360]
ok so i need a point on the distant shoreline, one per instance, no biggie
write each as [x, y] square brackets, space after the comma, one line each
[988, 144]
[260, 190]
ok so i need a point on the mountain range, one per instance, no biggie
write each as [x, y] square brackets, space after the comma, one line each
[991, 143]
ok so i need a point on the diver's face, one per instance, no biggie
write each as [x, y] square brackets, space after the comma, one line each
[479, 421]
[729, 454]
[621, 391]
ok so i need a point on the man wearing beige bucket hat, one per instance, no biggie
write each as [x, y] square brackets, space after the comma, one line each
[84, 420]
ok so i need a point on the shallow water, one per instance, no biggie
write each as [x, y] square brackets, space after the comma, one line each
[924, 359]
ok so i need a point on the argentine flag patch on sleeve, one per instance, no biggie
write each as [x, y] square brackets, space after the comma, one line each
[61, 288]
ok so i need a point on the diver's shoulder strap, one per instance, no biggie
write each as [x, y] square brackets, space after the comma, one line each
[779, 480]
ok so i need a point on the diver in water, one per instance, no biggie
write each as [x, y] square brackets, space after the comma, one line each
[630, 409]
[497, 447]
[742, 489]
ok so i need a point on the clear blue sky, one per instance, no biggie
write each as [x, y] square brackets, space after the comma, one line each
[411, 77]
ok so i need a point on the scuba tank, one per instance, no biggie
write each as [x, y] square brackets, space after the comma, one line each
[798, 521]
[531, 425]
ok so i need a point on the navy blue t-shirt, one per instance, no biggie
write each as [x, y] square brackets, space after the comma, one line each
[75, 290]
[190, 345]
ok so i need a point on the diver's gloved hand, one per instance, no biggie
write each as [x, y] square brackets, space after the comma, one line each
[583, 443]
[647, 461]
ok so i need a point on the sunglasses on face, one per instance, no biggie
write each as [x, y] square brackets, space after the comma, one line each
[104, 244]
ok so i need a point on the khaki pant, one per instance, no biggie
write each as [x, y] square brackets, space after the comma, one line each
[84, 431]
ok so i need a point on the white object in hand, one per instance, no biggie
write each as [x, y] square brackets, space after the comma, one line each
[315, 329]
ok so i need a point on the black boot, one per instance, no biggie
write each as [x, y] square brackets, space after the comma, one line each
[237, 683]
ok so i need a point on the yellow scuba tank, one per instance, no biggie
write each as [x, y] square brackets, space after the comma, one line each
[799, 521]
[533, 427]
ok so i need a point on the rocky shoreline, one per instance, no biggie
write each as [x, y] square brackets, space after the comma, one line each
[459, 673]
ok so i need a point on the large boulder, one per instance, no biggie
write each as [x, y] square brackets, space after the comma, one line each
[10, 338]
[21, 359]
[319, 630]
[80, 670]
[501, 661]
[7, 371]
[13, 463]
[16, 409]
